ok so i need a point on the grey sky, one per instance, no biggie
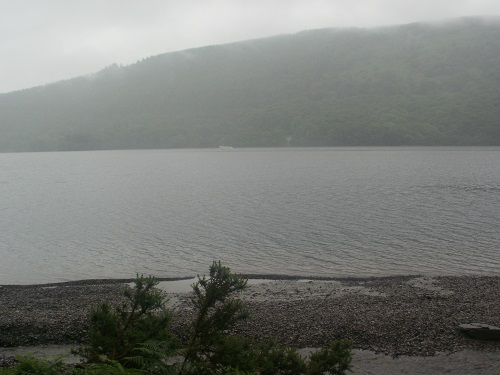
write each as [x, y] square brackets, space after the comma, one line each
[43, 41]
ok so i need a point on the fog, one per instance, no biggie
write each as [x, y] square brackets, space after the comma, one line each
[48, 41]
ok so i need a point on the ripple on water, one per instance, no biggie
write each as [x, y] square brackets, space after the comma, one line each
[340, 212]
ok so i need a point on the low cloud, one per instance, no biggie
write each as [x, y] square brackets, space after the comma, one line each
[57, 39]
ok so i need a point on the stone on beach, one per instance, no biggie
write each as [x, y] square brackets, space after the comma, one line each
[481, 331]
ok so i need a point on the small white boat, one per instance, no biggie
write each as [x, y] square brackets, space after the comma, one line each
[225, 148]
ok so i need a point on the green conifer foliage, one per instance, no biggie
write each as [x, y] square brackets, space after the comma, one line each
[116, 332]
[216, 312]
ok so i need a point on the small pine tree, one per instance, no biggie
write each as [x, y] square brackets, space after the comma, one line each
[216, 312]
[116, 332]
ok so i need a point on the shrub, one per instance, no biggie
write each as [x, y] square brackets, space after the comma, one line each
[216, 311]
[273, 358]
[115, 333]
[335, 359]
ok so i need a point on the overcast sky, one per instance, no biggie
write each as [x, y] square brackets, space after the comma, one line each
[43, 41]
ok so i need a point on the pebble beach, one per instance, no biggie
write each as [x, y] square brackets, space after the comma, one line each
[391, 321]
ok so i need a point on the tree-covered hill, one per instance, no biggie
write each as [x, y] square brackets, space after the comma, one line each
[416, 84]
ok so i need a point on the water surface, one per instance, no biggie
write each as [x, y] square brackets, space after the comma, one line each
[331, 212]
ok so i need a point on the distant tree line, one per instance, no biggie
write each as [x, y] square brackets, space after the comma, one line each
[416, 84]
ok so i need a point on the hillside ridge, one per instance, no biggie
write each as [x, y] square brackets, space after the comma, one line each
[414, 84]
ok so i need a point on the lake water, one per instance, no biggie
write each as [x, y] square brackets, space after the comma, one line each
[330, 212]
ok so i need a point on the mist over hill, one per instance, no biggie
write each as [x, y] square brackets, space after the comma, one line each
[416, 84]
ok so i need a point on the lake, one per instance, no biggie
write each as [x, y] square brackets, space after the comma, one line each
[327, 212]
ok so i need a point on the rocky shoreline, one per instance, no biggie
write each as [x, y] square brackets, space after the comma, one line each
[403, 315]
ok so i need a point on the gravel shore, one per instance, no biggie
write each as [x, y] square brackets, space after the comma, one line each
[395, 316]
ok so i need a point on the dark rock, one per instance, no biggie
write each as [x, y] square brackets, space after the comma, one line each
[481, 331]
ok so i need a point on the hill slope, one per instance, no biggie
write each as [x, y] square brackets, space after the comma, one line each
[417, 84]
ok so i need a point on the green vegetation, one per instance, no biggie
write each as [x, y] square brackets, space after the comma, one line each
[416, 84]
[34, 366]
[116, 333]
[210, 346]
[135, 339]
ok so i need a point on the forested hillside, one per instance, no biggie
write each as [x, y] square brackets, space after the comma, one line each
[416, 84]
